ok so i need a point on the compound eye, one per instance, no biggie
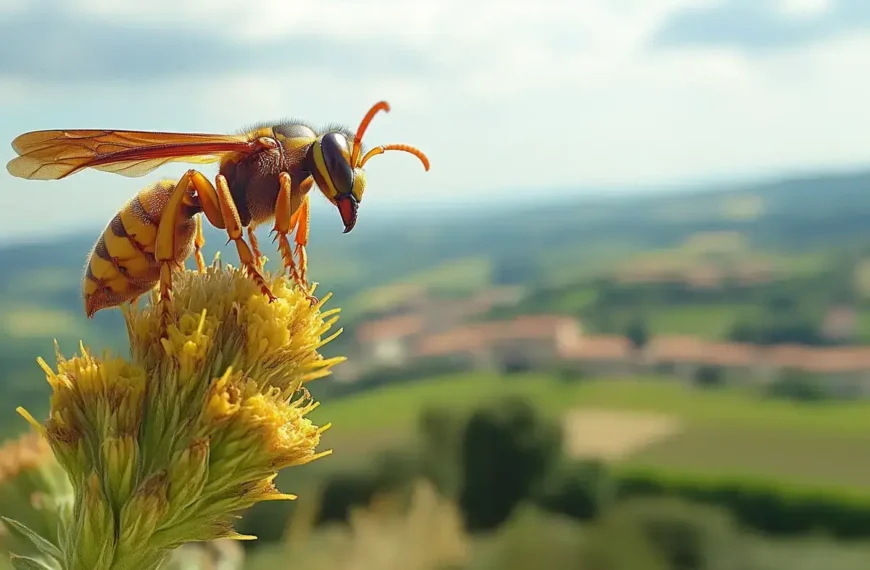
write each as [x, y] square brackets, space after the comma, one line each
[294, 131]
[337, 160]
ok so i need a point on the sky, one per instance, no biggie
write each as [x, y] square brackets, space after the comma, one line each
[508, 98]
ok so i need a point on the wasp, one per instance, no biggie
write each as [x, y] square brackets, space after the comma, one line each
[265, 174]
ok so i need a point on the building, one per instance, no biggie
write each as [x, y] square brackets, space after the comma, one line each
[558, 341]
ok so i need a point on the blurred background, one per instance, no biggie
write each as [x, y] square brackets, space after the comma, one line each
[622, 324]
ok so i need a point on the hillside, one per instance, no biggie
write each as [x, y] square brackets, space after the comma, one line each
[541, 246]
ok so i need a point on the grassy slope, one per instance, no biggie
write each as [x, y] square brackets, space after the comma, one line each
[728, 431]
[398, 406]
[713, 321]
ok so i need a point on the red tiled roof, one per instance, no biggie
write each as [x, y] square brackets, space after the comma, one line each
[820, 359]
[390, 328]
[690, 349]
[476, 336]
[808, 358]
[599, 347]
[729, 354]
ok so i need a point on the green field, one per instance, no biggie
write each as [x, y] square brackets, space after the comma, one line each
[862, 327]
[706, 321]
[771, 452]
[730, 249]
[709, 321]
[462, 276]
[398, 406]
[726, 431]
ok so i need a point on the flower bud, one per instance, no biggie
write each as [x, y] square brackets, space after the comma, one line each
[143, 514]
[91, 530]
[188, 473]
[121, 461]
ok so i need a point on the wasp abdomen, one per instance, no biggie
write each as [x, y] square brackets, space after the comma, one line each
[122, 266]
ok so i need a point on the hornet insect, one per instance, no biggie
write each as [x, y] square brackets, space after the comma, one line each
[265, 173]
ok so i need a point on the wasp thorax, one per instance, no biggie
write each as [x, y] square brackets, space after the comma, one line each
[337, 161]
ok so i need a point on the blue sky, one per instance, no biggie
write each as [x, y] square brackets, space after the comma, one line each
[502, 94]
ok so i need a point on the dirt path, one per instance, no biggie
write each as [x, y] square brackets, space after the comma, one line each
[613, 435]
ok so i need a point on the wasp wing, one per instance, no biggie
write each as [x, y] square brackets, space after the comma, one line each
[51, 155]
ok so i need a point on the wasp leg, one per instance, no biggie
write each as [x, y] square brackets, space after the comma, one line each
[301, 222]
[198, 243]
[284, 208]
[255, 246]
[303, 225]
[234, 229]
[217, 206]
[290, 207]
[164, 249]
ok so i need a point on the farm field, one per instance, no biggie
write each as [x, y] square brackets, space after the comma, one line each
[862, 331]
[774, 453]
[398, 406]
[724, 431]
[712, 321]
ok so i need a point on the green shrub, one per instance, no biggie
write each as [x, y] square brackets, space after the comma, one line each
[611, 545]
[709, 377]
[798, 386]
[579, 489]
[441, 431]
[391, 470]
[532, 538]
[768, 507]
[506, 450]
[686, 536]
[342, 492]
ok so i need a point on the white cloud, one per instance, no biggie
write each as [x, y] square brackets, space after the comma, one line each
[13, 90]
[804, 9]
[639, 118]
[484, 48]
[565, 94]
[8, 7]
[419, 22]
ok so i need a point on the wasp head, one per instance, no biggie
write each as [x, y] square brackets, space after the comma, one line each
[338, 166]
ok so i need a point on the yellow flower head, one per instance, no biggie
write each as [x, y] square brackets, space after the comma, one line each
[166, 447]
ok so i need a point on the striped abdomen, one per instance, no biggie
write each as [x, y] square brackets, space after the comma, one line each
[122, 265]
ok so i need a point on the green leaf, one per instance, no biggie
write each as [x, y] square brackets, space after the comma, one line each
[43, 544]
[25, 563]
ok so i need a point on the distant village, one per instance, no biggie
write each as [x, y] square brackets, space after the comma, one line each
[424, 328]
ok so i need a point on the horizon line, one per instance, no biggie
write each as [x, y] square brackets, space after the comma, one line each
[545, 197]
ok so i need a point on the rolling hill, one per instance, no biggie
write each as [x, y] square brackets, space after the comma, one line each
[532, 245]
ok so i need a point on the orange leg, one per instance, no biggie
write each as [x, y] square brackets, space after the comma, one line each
[302, 222]
[218, 207]
[198, 243]
[255, 246]
[165, 247]
[234, 230]
[290, 208]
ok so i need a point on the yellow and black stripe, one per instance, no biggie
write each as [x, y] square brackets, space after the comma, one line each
[122, 266]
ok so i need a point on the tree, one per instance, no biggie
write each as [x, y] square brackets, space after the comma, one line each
[441, 431]
[581, 489]
[637, 333]
[708, 376]
[506, 450]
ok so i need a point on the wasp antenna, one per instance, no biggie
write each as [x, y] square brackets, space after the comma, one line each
[363, 125]
[403, 147]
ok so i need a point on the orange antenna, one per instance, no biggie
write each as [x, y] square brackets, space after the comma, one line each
[403, 147]
[364, 124]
